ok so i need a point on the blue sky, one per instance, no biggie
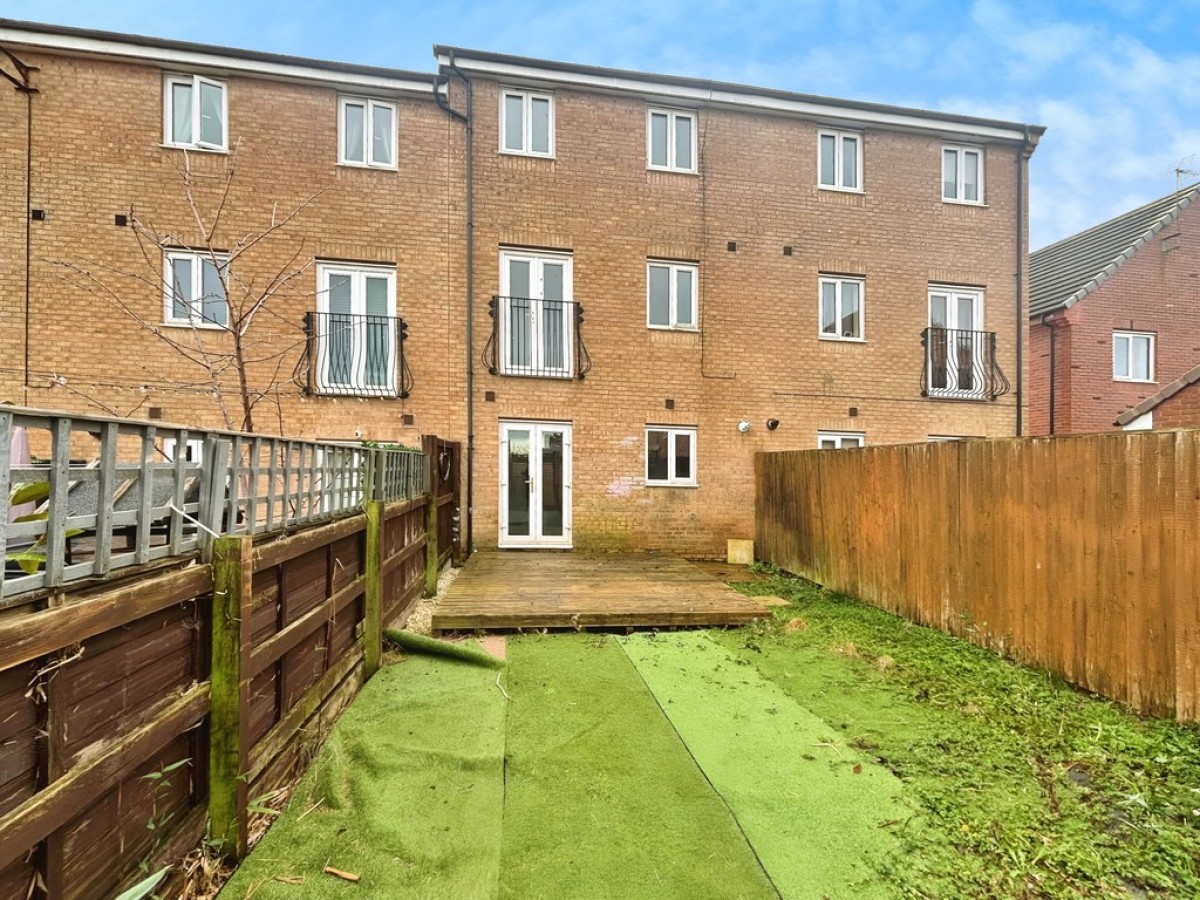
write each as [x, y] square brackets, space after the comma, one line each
[1116, 81]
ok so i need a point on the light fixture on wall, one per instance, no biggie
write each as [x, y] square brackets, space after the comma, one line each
[743, 426]
[772, 424]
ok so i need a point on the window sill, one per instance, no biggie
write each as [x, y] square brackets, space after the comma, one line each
[834, 339]
[193, 148]
[682, 329]
[199, 326]
[366, 166]
[840, 190]
[362, 393]
[671, 484]
[977, 204]
[527, 154]
[672, 171]
[1121, 380]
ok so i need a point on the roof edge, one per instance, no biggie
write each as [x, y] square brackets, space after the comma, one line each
[1166, 392]
[682, 87]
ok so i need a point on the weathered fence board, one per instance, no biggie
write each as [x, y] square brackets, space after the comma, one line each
[1077, 554]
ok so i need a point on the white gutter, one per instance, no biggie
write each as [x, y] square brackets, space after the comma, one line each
[185, 59]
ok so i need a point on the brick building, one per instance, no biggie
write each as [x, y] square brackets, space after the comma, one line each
[663, 276]
[1115, 322]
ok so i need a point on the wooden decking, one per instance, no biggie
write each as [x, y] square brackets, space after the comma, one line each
[498, 590]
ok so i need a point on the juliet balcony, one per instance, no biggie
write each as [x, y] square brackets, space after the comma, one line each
[536, 338]
[961, 365]
[355, 355]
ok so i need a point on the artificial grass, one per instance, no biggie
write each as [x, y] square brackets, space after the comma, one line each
[407, 793]
[1027, 787]
[470, 652]
[820, 815]
[602, 799]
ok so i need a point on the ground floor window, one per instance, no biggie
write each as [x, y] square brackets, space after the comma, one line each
[670, 455]
[840, 440]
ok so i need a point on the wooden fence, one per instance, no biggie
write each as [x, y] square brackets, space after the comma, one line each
[139, 714]
[1075, 554]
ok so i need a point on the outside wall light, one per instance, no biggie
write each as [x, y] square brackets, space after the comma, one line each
[772, 424]
[743, 426]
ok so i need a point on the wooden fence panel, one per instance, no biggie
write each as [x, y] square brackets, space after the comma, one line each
[1075, 554]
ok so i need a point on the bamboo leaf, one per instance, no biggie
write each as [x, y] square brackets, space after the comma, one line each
[145, 887]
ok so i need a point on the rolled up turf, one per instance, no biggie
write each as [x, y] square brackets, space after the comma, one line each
[419, 643]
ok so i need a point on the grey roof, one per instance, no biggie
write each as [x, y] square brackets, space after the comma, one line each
[1166, 392]
[1063, 273]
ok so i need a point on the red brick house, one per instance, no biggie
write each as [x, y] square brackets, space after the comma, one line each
[1114, 333]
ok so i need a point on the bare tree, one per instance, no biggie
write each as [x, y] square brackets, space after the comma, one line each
[224, 354]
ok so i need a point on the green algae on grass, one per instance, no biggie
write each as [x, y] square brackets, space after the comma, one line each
[1028, 787]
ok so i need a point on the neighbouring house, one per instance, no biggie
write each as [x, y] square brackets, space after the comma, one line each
[661, 275]
[1115, 322]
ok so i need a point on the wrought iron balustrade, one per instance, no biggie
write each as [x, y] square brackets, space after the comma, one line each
[961, 365]
[360, 356]
[538, 338]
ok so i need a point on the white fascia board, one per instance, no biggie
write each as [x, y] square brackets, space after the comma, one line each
[169, 58]
[776, 105]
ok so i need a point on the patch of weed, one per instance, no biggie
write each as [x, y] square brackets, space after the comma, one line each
[1027, 786]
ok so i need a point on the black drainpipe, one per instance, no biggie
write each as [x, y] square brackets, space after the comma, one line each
[1047, 322]
[23, 85]
[1022, 321]
[469, 121]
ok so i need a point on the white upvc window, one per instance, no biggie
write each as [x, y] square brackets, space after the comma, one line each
[366, 133]
[671, 295]
[1133, 356]
[671, 140]
[670, 456]
[962, 174]
[194, 289]
[840, 160]
[840, 440]
[841, 308]
[195, 113]
[357, 334]
[193, 449]
[526, 123]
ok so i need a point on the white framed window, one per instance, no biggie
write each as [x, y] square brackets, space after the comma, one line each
[670, 456]
[671, 295]
[1133, 356]
[962, 174]
[195, 113]
[526, 123]
[536, 314]
[671, 140]
[357, 332]
[840, 160]
[841, 308]
[366, 133]
[194, 289]
[840, 440]
[193, 449]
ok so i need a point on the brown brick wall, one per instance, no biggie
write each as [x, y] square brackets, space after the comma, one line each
[1180, 411]
[1155, 291]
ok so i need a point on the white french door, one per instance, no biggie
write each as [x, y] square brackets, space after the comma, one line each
[956, 345]
[535, 484]
[536, 314]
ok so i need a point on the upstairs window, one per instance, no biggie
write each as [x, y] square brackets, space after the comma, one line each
[1133, 356]
[195, 113]
[367, 133]
[962, 174]
[194, 289]
[526, 123]
[841, 308]
[839, 163]
[671, 295]
[671, 140]
[670, 456]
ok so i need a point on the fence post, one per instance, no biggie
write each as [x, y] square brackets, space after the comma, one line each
[431, 545]
[373, 597]
[228, 754]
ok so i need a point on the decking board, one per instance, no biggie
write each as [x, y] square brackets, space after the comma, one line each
[536, 589]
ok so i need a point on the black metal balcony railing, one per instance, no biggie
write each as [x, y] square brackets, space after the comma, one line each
[358, 356]
[961, 365]
[539, 338]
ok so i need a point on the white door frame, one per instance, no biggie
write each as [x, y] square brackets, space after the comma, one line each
[535, 538]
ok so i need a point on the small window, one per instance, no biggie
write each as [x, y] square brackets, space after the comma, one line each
[526, 123]
[671, 295]
[962, 174]
[193, 449]
[194, 289]
[840, 440]
[839, 163]
[670, 456]
[671, 140]
[1133, 356]
[195, 113]
[366, 133]
[841, 308]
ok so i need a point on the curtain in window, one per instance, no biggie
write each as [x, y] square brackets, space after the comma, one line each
[339, 358]
[181, 113]
[383, 132]
[212, 114]
[352, 132]
[379, 333]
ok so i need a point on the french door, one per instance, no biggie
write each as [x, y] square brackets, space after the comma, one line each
[535, 484]
[536, 314]
[957, 343]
